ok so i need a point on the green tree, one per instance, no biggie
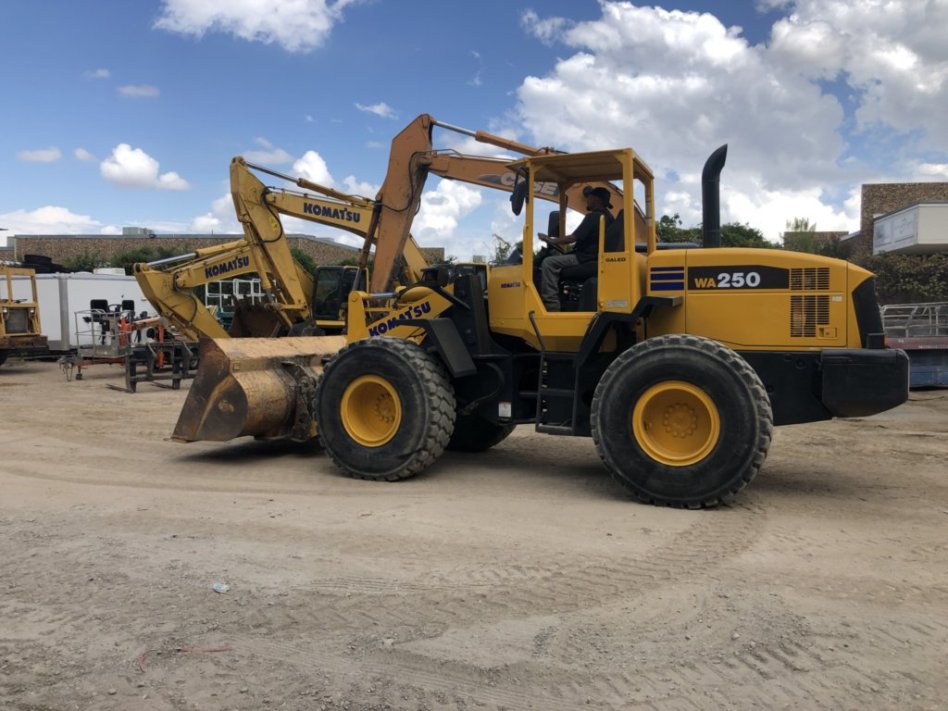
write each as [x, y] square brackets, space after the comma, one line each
[304, 260]
[734, 234]
[148, 253]
[908, 278]
[801, 224]
[669, 229]
[85, 262]
[502, 249]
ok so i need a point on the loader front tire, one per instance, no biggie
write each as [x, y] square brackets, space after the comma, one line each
[385, 409]
[472, 433]
[682, 421]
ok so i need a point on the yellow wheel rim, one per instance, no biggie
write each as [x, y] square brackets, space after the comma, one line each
[676, 423]
[371, 411]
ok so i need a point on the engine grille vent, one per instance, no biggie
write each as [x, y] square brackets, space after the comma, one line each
[806, 313]
[810, 279]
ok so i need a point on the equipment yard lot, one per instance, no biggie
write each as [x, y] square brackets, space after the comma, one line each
[518, 578]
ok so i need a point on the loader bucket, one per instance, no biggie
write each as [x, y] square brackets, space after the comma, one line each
[252, 386]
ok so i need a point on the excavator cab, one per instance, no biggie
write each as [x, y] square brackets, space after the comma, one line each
[331, 288]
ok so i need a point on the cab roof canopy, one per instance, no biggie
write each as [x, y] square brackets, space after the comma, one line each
[569, 168]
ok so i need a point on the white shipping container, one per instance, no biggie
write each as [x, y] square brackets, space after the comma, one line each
[62, 295]
[918, 229]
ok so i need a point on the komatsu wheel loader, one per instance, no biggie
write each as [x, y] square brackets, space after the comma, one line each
[677, 362]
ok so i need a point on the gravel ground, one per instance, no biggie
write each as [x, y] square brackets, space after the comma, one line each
[519, 578]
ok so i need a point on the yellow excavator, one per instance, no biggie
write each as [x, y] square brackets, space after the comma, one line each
[297, 300]
[677, 362]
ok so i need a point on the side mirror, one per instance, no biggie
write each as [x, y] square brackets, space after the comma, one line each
[519, 194]
[553, 225]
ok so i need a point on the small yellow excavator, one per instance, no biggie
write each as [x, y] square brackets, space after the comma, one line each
[297, 300]
[20, 329]
[678, 362]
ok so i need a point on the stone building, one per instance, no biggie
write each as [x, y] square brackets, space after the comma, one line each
[64, 248]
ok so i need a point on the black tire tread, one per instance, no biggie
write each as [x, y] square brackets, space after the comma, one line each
[439, 393]
[722, 353]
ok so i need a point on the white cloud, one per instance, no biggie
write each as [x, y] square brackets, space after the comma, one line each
[442, 209]
[769, 210]
[97, 74]
[83, 155]
[893, 53]
[138, 91]
[172, 181]
[270, 155]
[312, 167]
[931, 171]
[42, 155]
[675, 85]
[354, 186]
[544, 30]
[221, 219]
[133, 168]
[295, 25]
[50, 219]
[380, 109]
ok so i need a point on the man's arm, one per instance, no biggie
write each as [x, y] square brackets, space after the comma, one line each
[590, 224]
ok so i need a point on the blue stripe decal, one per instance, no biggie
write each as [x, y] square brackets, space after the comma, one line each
[667, 276]
[668, 286]
[668, 269]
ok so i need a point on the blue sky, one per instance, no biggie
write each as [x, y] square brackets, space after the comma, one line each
[127, 113]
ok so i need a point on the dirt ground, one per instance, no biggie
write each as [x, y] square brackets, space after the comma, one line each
[521, 578]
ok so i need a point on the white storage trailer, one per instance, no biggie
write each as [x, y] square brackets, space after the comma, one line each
[62, 295]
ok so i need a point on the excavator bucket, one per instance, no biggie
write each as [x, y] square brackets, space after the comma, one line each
[254, 386]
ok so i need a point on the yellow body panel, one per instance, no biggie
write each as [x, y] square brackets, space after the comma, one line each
[754, 299]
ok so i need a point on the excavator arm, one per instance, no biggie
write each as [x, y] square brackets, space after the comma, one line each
[412, 158]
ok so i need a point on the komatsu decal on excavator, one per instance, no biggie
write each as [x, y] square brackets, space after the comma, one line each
[334, 213]
[414, 311]
[225, 267]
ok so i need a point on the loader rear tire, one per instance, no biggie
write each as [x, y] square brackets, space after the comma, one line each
[472, 433]
[385, 409]
[3, 357]
[682, 421]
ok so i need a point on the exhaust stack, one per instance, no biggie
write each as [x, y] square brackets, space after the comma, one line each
[711, 198]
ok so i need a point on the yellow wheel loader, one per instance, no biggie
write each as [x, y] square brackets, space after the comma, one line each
[677, 361]
[20, 329]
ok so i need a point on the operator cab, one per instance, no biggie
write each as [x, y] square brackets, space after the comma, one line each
[612, 281]
[579, 284]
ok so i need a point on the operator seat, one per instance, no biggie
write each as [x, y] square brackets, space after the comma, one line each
[586, 272]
